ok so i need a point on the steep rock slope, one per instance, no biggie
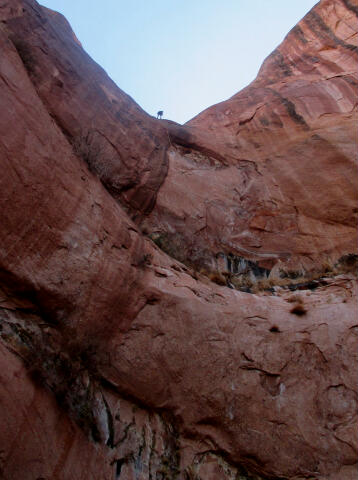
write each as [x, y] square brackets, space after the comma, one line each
[270, 174]
[116, 360]
[93, 113]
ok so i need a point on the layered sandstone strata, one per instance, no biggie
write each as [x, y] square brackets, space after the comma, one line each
[270, 174]
[118, 361]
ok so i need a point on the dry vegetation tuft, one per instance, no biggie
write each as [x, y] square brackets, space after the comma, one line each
[298, 309]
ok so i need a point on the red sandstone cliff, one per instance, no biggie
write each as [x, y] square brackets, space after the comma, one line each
[117, 360]
[270, 174]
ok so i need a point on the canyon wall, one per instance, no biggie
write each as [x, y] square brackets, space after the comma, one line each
[270, 174]
[121, 359]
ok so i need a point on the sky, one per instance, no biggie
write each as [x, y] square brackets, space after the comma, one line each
[181, 56]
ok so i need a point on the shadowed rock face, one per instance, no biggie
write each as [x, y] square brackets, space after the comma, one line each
[93, 114]
[117, 360]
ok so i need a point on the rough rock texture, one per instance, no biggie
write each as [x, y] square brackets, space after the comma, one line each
[90, 110]
[117, 361]
[270, 174]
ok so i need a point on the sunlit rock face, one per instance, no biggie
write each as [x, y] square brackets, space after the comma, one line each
[270, 174]
[119, 360]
